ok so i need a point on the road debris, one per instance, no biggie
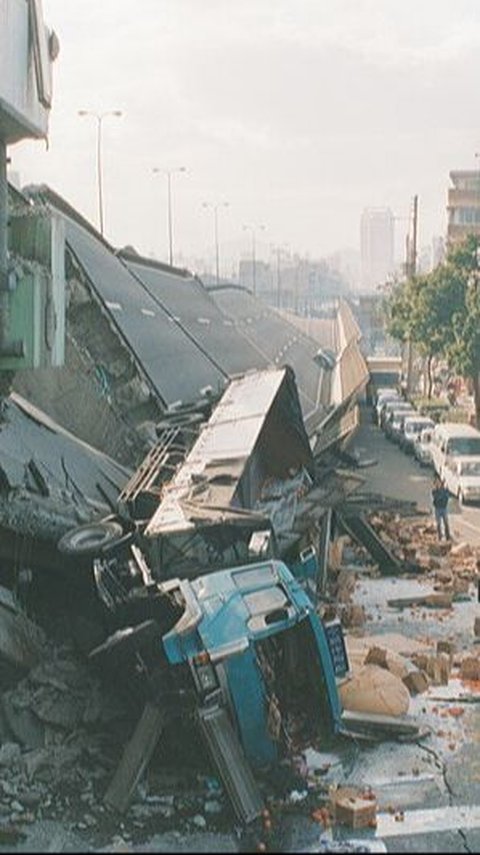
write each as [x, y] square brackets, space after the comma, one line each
[354, 807]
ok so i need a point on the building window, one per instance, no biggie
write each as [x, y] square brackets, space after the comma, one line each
[466, 216]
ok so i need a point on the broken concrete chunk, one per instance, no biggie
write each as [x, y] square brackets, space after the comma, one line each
[10, 754]
[421, 660]
[445, 668]
[59, 709]
[470, 668]
[461, 549]
[461, 585]
[376, 656]
[354, 807]
[21, 641]
[416, 682]
[448, 647]
[375, 690]
[438, 669]
[444, 576]
[23, 723]
[439, 601]
[37, 760]
[393, 662]
[353, 616]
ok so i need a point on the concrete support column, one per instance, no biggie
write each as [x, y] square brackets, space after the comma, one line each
[3, 246]
[6, 377]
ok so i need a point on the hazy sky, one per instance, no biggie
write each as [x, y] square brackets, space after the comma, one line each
[300, 114]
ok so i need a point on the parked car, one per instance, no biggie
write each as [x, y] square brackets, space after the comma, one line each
[462, 478]
[412, 428]
[397, 423]
[422, 447]
[385, 392]
[382, 403]
[393, 413]
[453, 439]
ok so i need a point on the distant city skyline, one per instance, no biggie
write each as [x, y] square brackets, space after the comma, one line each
[300, 118]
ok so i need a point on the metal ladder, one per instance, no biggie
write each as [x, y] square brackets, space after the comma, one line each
[142, 492]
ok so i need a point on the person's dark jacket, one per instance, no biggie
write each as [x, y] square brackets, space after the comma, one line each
[440, 497]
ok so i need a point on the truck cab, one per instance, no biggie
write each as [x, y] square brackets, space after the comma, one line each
[248, 652]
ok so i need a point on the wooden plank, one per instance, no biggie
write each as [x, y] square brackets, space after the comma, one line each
[136, 756]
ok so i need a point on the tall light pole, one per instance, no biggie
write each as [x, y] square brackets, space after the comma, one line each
[279, 251]
[100, 117]
[168, 173]
[253, 231]
[215, 208]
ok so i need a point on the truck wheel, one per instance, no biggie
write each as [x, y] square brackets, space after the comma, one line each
[90, 539]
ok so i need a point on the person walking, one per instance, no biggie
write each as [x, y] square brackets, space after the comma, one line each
[440, 497]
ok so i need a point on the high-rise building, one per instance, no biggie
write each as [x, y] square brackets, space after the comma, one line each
[377, 246]
[463, 205]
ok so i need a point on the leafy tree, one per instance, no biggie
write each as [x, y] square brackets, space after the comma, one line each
[440, 313]
[418, 313]
[461, 276]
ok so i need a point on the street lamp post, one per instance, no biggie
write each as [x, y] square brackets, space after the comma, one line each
[215, 208]
[253, 230]
[279, 251]
[100, 117]
[168, 173]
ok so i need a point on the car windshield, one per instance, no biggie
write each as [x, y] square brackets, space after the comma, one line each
[396, 407]
[414, 427]
[472, 468]
[464, 445]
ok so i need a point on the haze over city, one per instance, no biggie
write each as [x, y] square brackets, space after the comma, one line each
[298, 116]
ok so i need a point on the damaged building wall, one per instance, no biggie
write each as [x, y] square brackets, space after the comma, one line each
[98, 394]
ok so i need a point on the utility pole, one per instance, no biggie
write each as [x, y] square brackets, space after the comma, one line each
[215, 208]
[253, 231]
[168, 173]
[100, 117]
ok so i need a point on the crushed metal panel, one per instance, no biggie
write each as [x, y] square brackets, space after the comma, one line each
[254, 410]
[336, 428]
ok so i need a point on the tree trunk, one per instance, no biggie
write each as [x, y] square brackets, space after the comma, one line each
[430, 377]
[476, 398]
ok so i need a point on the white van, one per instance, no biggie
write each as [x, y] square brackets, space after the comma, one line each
[453, 440]
[462, 478]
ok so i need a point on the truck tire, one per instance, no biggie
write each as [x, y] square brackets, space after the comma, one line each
[90, 539]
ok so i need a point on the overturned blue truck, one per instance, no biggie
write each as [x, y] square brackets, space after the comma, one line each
[210, 577]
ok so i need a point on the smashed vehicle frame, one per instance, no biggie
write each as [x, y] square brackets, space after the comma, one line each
[203, 615]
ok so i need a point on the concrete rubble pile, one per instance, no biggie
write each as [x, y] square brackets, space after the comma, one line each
[383, 679]
[62, 732]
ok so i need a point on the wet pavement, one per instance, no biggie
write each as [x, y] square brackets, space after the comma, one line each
[437, 780]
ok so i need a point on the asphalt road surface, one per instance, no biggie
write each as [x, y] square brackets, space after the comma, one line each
[398, 475]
